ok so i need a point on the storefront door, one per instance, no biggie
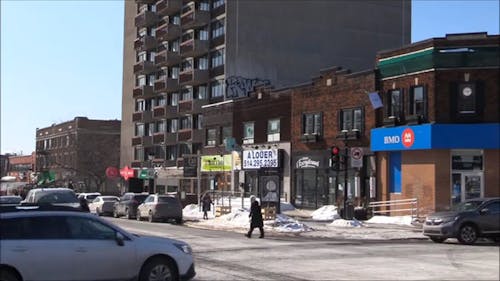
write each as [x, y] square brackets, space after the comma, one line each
[472, 185]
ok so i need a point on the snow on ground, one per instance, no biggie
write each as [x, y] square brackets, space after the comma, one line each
[323, 222]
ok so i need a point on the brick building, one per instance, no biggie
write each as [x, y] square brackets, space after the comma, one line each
[438, 139]
[180, 55]
[332, 110]
[78, 152]
[22, 167]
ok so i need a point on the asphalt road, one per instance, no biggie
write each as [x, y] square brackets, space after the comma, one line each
[223, 255]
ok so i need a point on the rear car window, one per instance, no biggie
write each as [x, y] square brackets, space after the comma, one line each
[55, 197]
[109, 199]
[167, 199]
[140, 198]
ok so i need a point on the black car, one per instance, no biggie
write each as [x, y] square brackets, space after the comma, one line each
[52, 196]
[127, 206]
[467, 221]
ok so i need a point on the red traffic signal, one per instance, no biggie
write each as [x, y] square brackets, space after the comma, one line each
[335, 150]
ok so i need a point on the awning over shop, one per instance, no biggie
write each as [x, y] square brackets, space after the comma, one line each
[436, 136]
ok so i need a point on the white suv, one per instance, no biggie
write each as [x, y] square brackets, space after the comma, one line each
[53, 245]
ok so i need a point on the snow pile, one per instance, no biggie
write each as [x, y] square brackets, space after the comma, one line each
[346, 223]
[325, 213]
[401, 220]
[284, 223]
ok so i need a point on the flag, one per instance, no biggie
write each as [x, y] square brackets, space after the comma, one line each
[375, 100]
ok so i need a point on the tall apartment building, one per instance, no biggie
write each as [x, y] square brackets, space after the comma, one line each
[180, 55]
[78, 152]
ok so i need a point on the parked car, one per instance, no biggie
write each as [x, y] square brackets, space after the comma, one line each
[467, 221]
[127, 206]
[53, 245]
[54, 196]
[90, 196]
[7, 200]
[103, 205]
[160, 207]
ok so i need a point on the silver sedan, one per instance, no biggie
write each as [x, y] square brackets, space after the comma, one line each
[103, 205]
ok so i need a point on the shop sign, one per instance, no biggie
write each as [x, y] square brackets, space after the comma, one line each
[216, 163]
[190, 166]
[127, 172]
[260, 158]
[306, 162]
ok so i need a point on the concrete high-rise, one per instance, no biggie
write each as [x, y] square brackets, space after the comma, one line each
[180, 55]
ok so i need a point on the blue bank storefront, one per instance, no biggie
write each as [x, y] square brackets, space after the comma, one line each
[438, 164]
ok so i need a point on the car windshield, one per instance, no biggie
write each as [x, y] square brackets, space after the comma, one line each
[56, 197]
[109, 199]
[467, 206]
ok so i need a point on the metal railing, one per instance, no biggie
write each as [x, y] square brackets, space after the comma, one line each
[402, 205]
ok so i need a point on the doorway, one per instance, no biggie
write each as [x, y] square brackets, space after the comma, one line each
[466, 185]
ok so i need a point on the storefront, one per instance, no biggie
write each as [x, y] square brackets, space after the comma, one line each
[439, 164]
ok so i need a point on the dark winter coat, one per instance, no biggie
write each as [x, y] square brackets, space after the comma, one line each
[256, 215]
[207, 201]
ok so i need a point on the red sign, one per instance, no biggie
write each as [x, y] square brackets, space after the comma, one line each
[112, 172]
[127, 173]
[408, 137]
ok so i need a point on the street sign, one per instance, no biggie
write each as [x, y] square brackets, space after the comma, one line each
[356, 157]
[147, 174]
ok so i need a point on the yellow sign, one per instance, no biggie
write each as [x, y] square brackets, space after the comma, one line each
[216, 163]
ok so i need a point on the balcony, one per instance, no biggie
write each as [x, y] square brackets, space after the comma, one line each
[168, 7]
[144, 67]
[194, 48]
[194, 77]
[166, 84]
[168, 31]
[158, 138]
[142, 116]
[145, 1]
[170, 138]
[145, 43]
[145, 140]
[184, 135]
[185, 106]
[194, 19]
[143, 91]
[167, 58]
[146, 19]
[164, 111]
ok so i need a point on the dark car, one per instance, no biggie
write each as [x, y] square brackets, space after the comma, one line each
[467, 221]
[52, 196]
[127, 206]
[7, 200]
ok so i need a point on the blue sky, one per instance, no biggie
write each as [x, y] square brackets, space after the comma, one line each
[62, 59]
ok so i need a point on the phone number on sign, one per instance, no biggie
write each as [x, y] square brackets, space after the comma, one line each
[258, 163]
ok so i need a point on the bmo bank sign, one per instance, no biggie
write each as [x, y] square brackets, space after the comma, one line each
[406, 139]
[260, 158]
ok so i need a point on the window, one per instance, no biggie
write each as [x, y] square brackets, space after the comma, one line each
[248, 132]
[273, 130]
[198, 121]
[171, 152]
[217, 3]
[83, 228]
[140, 81]
[312, 124]
[351, 119]
[227, 132]
[174, 46]
[466, 101]
[211, 137]
[142, 56]
[395, 103]
[172, 125]
[159, 152]
[185, 123]
[217, 28]
[150, 128]
[204, 6]
[187, 65]
[139, 130]
[217, 58]
[174, 99]
[160, 126]
[139, 153]
[202, 63]
[176, 19]
[202, 33]
[187, 94]
[174, 72]
[417, 101]
[200, 92]
[217, 89]
[160, 101]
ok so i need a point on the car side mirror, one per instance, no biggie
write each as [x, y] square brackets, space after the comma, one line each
[484, 211]
[120, 239]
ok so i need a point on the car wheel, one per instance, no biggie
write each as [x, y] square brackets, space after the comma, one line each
[115, 213]
[8, 275]
[158, 269]
[467, 234]
[437, 239]
[150, 217]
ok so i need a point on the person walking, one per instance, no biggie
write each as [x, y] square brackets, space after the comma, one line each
[84, 206]
[255, 218]
[206, 202]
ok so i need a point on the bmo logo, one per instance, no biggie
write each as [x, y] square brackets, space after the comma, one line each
[407, 138]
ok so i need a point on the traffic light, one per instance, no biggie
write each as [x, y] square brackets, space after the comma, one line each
[335, 157]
